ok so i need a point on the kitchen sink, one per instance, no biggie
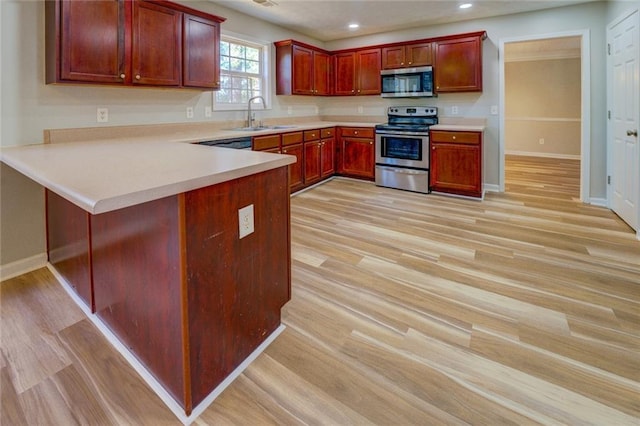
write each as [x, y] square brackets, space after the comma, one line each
[256, 128]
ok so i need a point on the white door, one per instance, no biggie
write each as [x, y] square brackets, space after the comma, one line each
[624, 74]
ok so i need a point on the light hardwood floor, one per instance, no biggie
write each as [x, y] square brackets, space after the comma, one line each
[406, 309]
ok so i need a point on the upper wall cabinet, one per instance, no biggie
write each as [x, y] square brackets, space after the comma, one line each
[458, 63]
[407, 56]
[302, 69]
[357, 73]
[131, 42]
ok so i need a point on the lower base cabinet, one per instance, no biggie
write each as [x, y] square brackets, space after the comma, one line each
[174, 282]
[456, 162]
[356, 152]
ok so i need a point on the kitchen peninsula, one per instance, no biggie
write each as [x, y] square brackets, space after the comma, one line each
[147, 234]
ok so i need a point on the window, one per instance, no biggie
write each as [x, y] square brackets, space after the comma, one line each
[242, 73]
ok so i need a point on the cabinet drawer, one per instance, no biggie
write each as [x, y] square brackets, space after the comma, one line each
[291, 138]
[266, 142]
[455, 137]
[327, 133]
[311, 135]
[358, 132]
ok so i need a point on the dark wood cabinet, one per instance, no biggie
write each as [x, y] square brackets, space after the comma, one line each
[156, 45]
[302, 69]
[292, 145]
[357, 73]
[200, 52]
[456, 162]
[409, 55]
[458, 64]
[131, 42]
[312, 157]
[327, 152]
[266, 143]
[85, 41]
[356, 152]
[174, 282]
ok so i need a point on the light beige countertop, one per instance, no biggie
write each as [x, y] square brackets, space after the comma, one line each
[102, 176]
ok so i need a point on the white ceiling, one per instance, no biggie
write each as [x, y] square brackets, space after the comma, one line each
[327, 20]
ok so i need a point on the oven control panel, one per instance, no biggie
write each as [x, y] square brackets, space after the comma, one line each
[413, 111]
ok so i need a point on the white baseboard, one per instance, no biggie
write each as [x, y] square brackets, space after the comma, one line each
[544, 154]
[489, 187]
[602, 202]
[22, 266]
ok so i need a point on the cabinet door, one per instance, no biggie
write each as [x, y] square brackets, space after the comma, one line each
[368, 72]
[456, 168]
[357, 157]
[392, 57]
[321, 73]
[312, 165]
[296, 170]
[328, 157]
[345, 74]
[418, 55]
[458, 65]
[157, 43]
[302, 71]
[201, 52]
[91, 42]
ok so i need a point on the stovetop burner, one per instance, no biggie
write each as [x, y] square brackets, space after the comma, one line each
[409, 119]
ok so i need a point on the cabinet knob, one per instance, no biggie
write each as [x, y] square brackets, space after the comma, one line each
[355, 133]
[433, 148]
[410, 63]
[370, 143]
[632, 133]
[454, 138]
[137, 76]
[122, 75]
[284, 151]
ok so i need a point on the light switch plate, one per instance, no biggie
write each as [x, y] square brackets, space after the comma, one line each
[245, 220]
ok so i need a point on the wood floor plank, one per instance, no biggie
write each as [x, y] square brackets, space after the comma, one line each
[522, 308]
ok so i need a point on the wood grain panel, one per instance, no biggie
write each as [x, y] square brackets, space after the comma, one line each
[137, 276]
[236, 287]
[69, 245]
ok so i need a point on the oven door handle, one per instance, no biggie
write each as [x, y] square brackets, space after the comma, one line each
[403, 170]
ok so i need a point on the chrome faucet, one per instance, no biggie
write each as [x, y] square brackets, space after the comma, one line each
[249, 117]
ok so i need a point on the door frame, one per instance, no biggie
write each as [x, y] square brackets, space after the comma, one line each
[585, 107]
[609, 132]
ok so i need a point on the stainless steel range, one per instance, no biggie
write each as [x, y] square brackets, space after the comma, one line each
[402, 148]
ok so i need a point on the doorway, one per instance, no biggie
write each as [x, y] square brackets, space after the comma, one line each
[555, 128]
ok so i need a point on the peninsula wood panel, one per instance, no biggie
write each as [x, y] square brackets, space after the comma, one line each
[137, 274]
[69, 245]
[236, 287]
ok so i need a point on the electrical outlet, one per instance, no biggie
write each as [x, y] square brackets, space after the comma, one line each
[360, 109]
[189, 112]
[454, 110]
[103, 115]
[289, 110]
[207, 111]
[245, 220]
[494, 109]
[541, 141]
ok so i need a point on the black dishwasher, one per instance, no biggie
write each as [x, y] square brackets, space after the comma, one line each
[243, 142]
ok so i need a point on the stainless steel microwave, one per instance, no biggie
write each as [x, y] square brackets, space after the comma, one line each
[407, 82]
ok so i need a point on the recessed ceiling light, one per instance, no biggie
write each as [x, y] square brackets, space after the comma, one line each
[465, 6]
[354, 26]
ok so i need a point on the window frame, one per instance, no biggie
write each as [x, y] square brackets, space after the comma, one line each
[265, 48]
